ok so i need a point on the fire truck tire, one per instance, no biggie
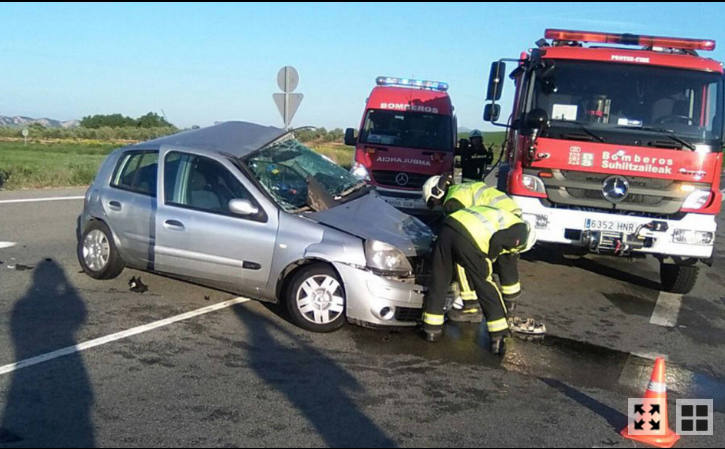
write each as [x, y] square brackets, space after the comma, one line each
[678, 278]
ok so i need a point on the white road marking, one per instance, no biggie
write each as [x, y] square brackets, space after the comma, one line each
[7, 244]
[38, 200]
[667, 309]
[117, 336]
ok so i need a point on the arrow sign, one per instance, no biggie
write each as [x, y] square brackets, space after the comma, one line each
[287, 105]
[654, 425]
[654, 408]
[639, 408]
[639, 425]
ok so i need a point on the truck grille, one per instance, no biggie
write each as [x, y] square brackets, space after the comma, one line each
[408, 314]
[651, 195]
[389, 178]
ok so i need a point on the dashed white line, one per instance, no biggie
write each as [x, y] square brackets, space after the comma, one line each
[7, 244]
[667, 309]
[38, 200]
[117, 336]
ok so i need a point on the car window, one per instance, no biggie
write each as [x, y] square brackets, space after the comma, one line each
[137, 171]
[201, 183]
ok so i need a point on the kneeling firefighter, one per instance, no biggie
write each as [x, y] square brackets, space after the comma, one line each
[473, 238]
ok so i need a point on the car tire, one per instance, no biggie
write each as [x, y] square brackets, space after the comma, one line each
[97, 253]
[315, 298]
[678, 278]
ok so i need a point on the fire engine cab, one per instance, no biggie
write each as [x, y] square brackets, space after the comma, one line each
[614, 146]
[407, 134]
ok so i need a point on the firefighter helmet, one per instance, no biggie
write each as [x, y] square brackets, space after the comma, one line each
[475, 133]
[435, 189]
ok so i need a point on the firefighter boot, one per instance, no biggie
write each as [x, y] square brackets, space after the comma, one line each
[498, 343]
[432, 332]
[470, 313]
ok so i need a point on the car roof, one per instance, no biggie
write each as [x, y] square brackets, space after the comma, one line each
[235, 138]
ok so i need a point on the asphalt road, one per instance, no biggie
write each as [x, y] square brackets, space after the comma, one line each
[243, 376]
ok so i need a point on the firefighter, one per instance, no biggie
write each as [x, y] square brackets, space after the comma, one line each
[475, 157]
[461, 196]
[473, 238]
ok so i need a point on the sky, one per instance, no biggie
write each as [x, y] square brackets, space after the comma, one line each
[202, 63]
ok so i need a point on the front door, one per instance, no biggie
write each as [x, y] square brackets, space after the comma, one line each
[197, 237]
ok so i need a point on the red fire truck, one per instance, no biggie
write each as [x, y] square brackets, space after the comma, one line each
[614, 146]
[407, 134]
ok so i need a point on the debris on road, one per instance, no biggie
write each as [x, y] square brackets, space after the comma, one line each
[137, 286]
[20, 267]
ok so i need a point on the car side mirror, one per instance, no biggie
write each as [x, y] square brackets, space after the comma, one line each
[350, 137]
[491, 112]
[242, 207]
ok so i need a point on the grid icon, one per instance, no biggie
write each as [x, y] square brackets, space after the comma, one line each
[695, 417]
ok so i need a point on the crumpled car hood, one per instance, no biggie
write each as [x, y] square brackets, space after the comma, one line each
[370, 217]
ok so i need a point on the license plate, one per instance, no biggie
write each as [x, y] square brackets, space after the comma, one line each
[609, 225]
[403, 203]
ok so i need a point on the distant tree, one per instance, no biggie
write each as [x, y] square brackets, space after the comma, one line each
[152, 120]
[111, 120]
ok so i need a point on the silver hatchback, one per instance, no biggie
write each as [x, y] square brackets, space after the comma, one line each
[248, 209]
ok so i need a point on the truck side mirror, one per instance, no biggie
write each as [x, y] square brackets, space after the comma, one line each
[495, 81]
[350, 137]
[491, 112]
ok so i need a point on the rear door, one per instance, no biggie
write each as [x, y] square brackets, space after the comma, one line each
[129, 204]
[197, 237]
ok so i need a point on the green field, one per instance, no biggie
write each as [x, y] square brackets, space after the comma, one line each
[63, 163]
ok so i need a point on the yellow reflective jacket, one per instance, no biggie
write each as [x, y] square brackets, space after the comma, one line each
[479, 194]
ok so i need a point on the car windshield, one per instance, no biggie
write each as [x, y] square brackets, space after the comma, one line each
[407, 129]
[285, 168]
[629, 99]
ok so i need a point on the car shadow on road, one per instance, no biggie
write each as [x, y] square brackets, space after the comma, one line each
[314, 383]
[554, 256]
[48, 404]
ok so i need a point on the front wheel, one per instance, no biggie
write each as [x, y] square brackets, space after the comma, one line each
[678, 278]
[315, 299]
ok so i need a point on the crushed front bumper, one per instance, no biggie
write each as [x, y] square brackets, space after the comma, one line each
[380, 301]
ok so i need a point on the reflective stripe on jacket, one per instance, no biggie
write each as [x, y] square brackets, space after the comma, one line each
[482, 222]
[479, 194]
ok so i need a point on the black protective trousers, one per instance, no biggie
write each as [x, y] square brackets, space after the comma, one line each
[455, 246]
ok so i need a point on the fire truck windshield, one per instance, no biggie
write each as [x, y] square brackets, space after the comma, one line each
[407, 129]
[627, 104]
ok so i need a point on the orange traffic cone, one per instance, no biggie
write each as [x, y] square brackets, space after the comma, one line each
[655, 400]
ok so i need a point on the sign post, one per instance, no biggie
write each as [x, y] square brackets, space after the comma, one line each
[287, 102]
[25, 133]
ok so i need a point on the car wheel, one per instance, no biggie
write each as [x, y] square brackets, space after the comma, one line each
[97, 253]
[315, 298]
[678, 278]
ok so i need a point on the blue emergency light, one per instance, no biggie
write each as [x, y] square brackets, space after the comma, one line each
[406, 82]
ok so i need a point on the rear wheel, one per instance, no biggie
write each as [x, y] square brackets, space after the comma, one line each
[678, 278]
[97, 253]
[315, 298]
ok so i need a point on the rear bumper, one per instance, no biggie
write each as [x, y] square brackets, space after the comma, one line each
[369, 294]
[567, 227]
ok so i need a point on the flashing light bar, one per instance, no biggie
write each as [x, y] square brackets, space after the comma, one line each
[406, 82]
[631, 39]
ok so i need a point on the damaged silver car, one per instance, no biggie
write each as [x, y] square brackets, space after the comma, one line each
[249, 209]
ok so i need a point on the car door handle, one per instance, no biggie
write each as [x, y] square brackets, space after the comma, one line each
[174, 224]
[114, 205]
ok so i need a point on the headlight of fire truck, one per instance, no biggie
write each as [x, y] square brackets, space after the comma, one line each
[359, 171]
[533, 183]
[697, 199]
[386, 258]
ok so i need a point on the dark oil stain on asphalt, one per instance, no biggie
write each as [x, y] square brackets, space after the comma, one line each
[582, 364]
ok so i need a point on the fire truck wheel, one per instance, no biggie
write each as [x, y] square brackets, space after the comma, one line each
[678, 278]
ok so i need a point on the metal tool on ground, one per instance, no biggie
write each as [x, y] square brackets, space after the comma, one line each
[137, 286]
[656, 396]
